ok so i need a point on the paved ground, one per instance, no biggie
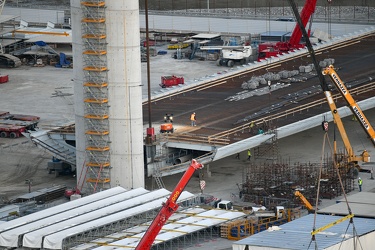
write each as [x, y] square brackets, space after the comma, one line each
[47, 92]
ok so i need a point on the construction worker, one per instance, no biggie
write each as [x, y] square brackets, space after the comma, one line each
[248, 154]
[193, 119]
[251, 127]
[360, 184]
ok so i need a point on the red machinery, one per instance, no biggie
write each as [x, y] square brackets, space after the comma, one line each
[169, 81]
[269, 49]
[167, 127]
[150, 43]
[13, 125]
[168, 208]
[4, 78]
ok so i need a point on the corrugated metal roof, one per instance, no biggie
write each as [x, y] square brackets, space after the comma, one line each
[191, 220]
[362, 204]
[297, 234]
[205, 36]
[275, 33]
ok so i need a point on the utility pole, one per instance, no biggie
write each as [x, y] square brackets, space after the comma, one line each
[29, 182]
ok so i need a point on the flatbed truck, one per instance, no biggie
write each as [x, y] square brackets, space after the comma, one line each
[13, 125]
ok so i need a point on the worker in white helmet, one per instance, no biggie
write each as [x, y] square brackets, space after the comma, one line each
[360, 184]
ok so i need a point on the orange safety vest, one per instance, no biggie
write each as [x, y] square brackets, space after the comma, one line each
[192, 117]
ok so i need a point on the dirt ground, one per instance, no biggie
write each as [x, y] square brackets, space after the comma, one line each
[23, 161]
[33, 91]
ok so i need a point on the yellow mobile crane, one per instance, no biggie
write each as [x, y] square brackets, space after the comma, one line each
[352, 158]
[353, 105]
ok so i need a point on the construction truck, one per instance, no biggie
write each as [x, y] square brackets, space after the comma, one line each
[168, 208]
[269, 49]
[231, 54]
[258, 211]
[237, 55]
[13, 125]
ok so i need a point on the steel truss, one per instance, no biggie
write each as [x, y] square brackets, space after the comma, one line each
[107, 229]
[189, 239]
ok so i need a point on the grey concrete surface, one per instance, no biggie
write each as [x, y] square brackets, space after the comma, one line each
[47, 92]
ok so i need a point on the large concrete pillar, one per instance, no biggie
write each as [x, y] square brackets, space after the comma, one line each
[125, 93]
[78, 76]
[125, 138]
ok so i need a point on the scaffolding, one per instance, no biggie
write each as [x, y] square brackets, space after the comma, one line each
[96, 111]
[275, 183]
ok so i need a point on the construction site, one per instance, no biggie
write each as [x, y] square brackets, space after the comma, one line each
[262, 151]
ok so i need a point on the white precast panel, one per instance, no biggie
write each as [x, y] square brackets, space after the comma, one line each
[59, 209]
[55, 240]
[68, 217]
[125, 93]
[129, 199]
[78, 77]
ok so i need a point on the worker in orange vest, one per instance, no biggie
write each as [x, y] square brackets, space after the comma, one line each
[193, 119]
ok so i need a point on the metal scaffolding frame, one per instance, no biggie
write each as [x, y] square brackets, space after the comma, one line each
[107, 232]
[274, 183]
[189, 239]
[96, 112]
[110, 228]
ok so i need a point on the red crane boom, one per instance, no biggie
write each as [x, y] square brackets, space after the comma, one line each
[168, 208]
[306, 13]
[269, 49]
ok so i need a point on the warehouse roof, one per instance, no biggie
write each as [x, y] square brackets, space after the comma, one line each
[297, 234]
[362, 204]
[205, 36]
[60, 208]
[180, 224]
[49, 227]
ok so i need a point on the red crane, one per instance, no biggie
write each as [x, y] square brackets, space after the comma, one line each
[168, 208]
[269, 49]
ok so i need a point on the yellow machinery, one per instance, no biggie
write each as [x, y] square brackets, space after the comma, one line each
[304, 200]
[352, 159]
[239, 229]
[41, 32]
[352, 104]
